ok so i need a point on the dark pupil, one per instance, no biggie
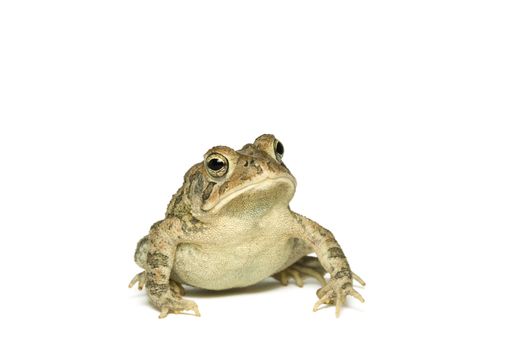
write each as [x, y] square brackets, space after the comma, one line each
[215, 164]
[279, 148]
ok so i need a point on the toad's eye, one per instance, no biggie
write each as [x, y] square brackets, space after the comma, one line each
[278, 149]
[217, 165]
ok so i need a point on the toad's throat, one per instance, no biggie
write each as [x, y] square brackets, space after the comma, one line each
[256, 196]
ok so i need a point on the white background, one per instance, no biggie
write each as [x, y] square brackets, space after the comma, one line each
[401, 121]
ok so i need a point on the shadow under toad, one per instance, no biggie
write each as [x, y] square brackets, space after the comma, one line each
[263, 286]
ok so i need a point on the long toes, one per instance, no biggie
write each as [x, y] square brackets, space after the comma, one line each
[308, 271]
[196, 310]
[358, 279]
[356, 295]
[189, 305]
[323, 300]
[138, 278]
[323, 290]
[297, 277]
[282, 277]
[340, 300]
[318, 277]
[164, 311]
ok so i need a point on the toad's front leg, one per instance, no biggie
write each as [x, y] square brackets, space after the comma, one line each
[333, 259]
[163, 239]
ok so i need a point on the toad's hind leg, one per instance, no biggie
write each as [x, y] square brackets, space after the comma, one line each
[306, 266]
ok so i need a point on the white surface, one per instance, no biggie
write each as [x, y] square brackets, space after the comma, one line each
[401, 121]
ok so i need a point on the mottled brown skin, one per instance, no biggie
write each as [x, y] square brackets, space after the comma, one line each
[230, 226]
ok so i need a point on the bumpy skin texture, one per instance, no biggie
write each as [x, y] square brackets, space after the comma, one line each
[230, 226]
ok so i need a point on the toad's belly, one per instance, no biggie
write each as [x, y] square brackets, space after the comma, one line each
[223, 267]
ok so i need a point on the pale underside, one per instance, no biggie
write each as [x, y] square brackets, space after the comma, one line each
[224, 267]
[243, 256]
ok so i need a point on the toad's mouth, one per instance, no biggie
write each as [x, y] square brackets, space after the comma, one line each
[256, 196]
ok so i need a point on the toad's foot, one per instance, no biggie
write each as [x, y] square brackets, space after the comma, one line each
[140, 278]
[177, 305]
[306, 266]
[336, 291]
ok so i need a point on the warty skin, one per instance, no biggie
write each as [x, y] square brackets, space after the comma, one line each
[230, 226]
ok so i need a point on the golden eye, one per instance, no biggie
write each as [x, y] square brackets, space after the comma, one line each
[217, 165]
[278, 149]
